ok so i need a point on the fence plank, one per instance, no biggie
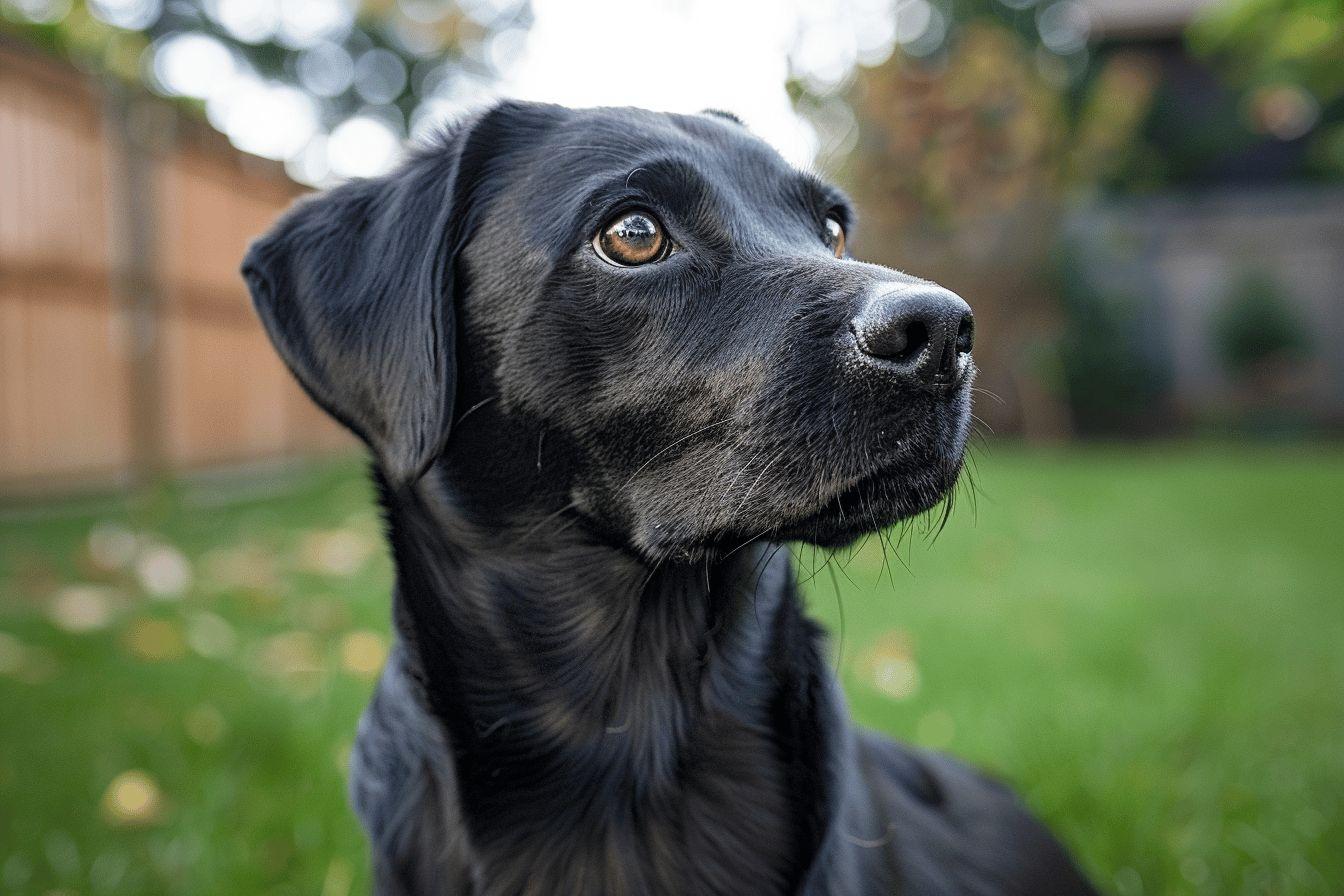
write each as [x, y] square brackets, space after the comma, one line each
[92, 228]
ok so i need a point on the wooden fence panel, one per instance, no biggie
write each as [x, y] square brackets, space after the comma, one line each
[65, 389]
[216, 359]
[213, 371]
[64, 400]
[73, 395]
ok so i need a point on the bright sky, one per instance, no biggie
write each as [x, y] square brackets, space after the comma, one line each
[679, 56]
[688, 55]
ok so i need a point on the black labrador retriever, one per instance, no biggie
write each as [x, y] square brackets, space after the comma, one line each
[607, 361]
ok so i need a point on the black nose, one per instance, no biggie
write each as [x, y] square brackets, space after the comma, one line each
[924, 331]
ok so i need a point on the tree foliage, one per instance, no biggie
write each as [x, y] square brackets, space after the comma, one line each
[1286, 58]
[387, 61]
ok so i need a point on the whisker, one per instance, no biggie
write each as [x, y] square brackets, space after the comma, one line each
[840, 610]
[476, 407]
[543, 521]
[669, 447]
[980, 390]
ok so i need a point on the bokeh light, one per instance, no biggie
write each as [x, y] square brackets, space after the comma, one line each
[250, 21]
[326, 70]
[192, 64]
[266, 118]
[132, 15]
[362, 146]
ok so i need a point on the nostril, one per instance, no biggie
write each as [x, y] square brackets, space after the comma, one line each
[966, 335]
[915, 337]
[896, 339]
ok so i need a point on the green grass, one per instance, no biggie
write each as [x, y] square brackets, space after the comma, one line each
[1147, 641]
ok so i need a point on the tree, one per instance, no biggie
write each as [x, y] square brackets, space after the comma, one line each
[329, 86]
[1285, 58]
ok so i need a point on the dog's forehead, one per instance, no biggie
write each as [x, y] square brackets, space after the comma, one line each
[708, 138]
[588, 145]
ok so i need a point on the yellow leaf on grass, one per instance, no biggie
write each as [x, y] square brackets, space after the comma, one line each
[132, 799]
[154, 640]
[363, 653]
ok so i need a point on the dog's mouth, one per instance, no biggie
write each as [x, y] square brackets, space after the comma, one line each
[827, 491]
[882, 497]
[903, 483]
[905, 478]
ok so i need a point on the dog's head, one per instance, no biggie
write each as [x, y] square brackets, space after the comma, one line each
[650, 319]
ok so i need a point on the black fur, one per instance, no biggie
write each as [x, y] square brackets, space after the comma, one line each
[604, 681]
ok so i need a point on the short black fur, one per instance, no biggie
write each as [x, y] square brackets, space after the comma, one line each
[604, 681]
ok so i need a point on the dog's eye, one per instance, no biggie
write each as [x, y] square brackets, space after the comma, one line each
[632, 238]
[835, 236]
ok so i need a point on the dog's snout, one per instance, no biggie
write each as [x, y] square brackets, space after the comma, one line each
[924, 332]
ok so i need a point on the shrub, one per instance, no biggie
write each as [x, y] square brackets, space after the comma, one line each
[1115, 375]
[1256, 325]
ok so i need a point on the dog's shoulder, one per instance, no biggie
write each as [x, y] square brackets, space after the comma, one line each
[954, 829]
[403, 789]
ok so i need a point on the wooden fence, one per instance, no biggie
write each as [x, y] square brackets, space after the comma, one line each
[128, 345]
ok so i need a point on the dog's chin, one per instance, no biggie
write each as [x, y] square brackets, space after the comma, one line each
[889, 493]
[828, 506]
[876, 501]
[868, 503]
[899, 486]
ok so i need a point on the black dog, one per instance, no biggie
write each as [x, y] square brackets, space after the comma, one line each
[607, 361]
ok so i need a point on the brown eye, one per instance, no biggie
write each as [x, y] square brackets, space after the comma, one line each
[632, 238]
[835, 236]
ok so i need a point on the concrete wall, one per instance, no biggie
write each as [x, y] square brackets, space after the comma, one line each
[1178, 258]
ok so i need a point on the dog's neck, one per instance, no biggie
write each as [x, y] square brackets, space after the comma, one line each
[616, 718]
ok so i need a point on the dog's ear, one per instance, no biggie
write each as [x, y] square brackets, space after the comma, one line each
[725, 115]
[354, 287]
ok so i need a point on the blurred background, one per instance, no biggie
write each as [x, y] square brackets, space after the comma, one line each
[1134, 616]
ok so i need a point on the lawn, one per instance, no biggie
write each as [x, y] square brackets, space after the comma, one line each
[1147, 641]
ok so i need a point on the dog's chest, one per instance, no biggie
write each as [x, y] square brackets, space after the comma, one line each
[716, 819]
[721, 826]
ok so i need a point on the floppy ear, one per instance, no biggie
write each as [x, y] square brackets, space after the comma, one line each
[354, 287]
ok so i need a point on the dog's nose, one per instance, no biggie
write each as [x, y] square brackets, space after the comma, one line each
[923, 330]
